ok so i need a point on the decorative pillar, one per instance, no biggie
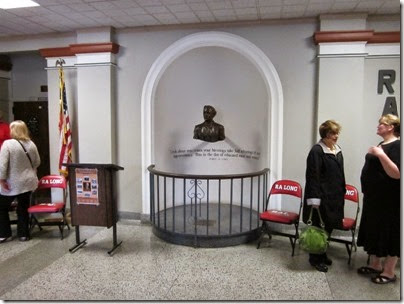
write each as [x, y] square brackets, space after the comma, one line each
[344, 48]
[96, 101]
[90, 89]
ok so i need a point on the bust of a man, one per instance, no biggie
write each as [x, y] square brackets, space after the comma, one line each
[209, 130]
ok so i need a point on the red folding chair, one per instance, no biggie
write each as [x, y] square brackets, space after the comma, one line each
[38, 206]
[280, 216]
[349, 222]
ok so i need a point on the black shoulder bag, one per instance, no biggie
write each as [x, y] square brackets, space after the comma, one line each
[26, 153]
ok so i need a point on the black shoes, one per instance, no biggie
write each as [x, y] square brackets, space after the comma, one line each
[319, 266]
[23, 239]
[320, 262]
[327, 260]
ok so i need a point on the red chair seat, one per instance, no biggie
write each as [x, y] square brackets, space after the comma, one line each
[46, 208]
[348, 223]
[284, 217]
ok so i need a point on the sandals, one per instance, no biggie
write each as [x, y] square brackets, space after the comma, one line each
[380, 279]
[365, 270]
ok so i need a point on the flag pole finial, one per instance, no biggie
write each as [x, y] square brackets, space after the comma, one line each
[60, 62]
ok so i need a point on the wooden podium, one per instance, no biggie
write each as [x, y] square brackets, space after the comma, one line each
[93, 198]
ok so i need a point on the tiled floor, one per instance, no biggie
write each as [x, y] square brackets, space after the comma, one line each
[147, 268]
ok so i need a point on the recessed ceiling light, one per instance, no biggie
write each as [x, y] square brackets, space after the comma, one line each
[8, 4]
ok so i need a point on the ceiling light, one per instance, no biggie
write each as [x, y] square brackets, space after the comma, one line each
[8, 4]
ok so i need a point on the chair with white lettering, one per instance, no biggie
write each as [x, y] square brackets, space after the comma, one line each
[350, 220]
[46, 207]
[288, 213]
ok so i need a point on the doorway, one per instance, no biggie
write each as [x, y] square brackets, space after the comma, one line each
[35, 115]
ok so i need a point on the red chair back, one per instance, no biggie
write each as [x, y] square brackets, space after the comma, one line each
[351, 193]
[280, 216]
[286, 186]
[52, 181]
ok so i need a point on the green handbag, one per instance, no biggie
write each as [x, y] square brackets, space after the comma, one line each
[314, 239]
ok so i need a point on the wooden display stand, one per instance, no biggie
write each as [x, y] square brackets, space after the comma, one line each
[93, 198]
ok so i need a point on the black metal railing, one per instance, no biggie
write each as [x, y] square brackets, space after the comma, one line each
[207, 210]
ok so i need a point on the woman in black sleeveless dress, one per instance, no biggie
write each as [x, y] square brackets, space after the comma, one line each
[379, 231]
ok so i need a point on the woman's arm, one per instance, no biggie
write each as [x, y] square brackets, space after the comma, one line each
[313, 172]
[388, 165]
[4, 161]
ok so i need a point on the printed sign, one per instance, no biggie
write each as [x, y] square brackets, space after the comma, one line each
[87, 186]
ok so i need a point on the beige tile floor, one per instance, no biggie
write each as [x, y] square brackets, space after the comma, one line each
[147, 268]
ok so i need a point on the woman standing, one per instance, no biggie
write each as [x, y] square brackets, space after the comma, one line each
[19, 160]
[379, 231]
[325, 186]
[4, 130]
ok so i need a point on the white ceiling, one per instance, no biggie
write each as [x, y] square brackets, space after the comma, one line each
[53, 16]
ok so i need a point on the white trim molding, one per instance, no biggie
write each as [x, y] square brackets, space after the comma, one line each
[342, 49]
[378, 50]
[70, 61]
[96, 58]
[218, 39]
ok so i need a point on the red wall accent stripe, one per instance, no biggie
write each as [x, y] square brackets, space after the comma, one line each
[347, 36]
[74, 49]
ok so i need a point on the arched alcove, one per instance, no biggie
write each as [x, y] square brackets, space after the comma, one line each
[230, 83]
[244, 48]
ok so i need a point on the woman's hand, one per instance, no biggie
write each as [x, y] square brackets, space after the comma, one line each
[376, 151]
[4, 185]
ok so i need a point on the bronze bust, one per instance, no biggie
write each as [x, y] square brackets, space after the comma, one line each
[209, 130]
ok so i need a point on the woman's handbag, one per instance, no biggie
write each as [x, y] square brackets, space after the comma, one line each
[314, 239]
[26, 153]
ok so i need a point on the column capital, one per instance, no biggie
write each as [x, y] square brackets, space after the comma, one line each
[357, 43]
[83, 53]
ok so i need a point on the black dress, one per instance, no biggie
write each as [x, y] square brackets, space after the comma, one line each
[325, 179]
[379, 231]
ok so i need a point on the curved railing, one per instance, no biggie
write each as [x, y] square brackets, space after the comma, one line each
[207, 210]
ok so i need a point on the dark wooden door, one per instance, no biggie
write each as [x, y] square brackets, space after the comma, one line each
[35, 115]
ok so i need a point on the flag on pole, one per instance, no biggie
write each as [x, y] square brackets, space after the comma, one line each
[65, 155]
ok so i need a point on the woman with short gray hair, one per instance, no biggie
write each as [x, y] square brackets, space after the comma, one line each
[325, 186]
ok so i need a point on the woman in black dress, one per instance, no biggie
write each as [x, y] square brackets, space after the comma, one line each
[379, 231]
[325, 186]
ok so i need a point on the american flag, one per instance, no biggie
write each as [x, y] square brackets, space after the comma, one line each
[65, 155]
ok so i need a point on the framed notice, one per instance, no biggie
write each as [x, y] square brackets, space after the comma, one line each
[87, 186]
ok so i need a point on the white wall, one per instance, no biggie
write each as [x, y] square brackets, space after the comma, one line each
[384, 23]
[373, 101]
[340, 98]
[28, 74]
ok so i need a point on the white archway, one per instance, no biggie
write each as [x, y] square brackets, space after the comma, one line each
[218, 39]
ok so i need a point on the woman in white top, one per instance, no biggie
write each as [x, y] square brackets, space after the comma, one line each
[19, 160]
